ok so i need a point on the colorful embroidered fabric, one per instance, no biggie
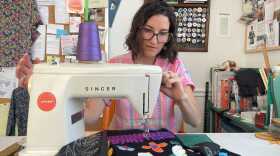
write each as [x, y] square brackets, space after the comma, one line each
[157, 143]
[19, 21]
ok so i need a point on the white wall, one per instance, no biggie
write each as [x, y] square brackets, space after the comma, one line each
[256, 59]
[199, 63]
[121, 26]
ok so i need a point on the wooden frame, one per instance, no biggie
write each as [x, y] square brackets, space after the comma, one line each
[258, 48]
[191, 46]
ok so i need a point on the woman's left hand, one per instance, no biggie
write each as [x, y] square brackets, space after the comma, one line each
[172, 86]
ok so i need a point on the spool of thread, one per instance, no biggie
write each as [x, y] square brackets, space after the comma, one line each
[88, 48]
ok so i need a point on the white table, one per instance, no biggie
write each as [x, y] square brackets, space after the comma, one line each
[245, 144]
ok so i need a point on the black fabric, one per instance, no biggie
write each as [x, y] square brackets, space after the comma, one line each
[206, 148]
[93, 145]
[18, 112]
[249, 82]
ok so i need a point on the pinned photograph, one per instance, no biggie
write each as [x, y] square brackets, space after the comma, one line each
[53, 60]
[75, 6]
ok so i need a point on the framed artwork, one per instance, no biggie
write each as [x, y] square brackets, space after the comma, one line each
[262, 34]
[192, 26]
[192, 22]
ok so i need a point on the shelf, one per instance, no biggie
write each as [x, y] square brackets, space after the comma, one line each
[218, 110]
[245, 126]
[4, 100]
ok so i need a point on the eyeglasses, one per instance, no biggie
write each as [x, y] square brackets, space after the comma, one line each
[162, 36]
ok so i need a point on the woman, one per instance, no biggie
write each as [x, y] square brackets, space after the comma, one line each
[150, 41]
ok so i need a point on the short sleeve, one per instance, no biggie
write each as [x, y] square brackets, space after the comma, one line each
[183, 73]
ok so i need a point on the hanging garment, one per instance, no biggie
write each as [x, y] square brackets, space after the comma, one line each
[19, 21]
[249, 83]
[18, 112]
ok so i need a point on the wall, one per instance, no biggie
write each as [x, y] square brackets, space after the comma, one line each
[199, 64]
[256, 59]
[121, 26]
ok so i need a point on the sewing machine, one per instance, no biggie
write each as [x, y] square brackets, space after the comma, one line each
[57, 93]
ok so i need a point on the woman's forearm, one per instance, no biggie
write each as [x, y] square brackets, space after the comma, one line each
[191, 112]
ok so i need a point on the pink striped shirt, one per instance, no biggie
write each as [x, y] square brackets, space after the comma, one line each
[163, 116]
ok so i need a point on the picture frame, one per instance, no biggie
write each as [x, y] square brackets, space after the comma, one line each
[192, 26]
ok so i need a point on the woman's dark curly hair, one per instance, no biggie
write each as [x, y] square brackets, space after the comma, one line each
[134, 40]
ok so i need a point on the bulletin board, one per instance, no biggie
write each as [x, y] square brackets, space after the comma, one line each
[262, 29]
[65, 40]
[60, 28]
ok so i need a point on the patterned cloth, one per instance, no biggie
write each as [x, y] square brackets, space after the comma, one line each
[93, 145]
[163, 116]
[19, 21]
[18, 112]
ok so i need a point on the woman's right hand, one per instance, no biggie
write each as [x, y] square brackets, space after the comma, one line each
[24, 70]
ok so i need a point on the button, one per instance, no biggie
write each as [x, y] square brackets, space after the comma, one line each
[194, 10]
[184, 40]
[203, 25]
[193, 35]
[204, 10]
[178, 40]
[203, 35]
[203, 20]
[180, 10]
[194, 24]
[179, 34]
[179, 29]
[193, 41]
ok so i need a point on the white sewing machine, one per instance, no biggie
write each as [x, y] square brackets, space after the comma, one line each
[57, 93]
